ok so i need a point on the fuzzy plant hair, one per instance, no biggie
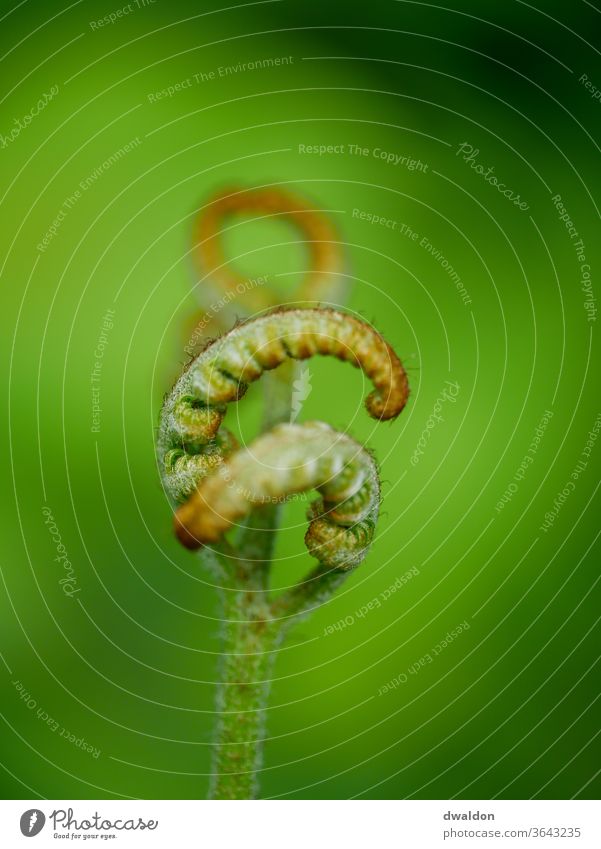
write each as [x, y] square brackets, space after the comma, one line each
[228, 499]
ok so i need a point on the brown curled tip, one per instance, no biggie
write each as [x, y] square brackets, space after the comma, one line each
[184, 536]
[388, 400]
[180, 526]
[196, 523]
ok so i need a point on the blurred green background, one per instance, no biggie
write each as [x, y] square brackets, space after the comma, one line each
[127, 663]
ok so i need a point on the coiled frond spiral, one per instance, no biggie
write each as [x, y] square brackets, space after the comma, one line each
[198, 456]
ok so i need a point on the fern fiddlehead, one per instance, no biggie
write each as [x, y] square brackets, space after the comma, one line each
[287, 460]
[220, 487]
[191, 439]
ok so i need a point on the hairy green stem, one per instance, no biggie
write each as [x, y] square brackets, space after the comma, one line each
[250, 641]
[251, 634]
[253, 631]
[254, 627]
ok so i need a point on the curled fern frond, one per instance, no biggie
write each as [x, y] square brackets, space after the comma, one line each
[292, 459]
[192, 441]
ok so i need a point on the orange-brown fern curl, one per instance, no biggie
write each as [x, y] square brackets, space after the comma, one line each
[325, 259]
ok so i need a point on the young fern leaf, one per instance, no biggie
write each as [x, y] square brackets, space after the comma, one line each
[191, 440]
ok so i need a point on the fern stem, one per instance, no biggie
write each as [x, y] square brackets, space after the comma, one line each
[251, 635]
[250, 638]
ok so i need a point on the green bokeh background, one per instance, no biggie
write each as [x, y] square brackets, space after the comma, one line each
[509, 708]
